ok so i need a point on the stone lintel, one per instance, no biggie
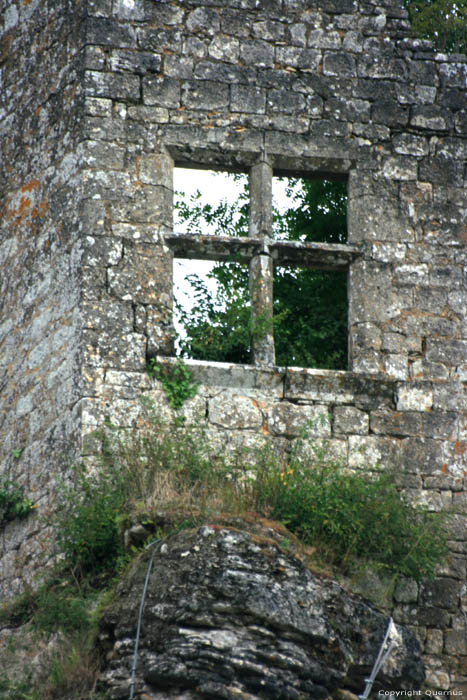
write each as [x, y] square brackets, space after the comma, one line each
[320, 256]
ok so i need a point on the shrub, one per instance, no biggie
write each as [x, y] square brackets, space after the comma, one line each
[88, 529]
[352, 516]
[13, 503]
[345, 515]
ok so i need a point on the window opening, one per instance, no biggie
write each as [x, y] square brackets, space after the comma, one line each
[263, 278]
[310, 305]
[310, 318]
[210, 202]
[307, 209]
[212, 315]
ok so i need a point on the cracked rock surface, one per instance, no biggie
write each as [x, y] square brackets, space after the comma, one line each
[230, 614]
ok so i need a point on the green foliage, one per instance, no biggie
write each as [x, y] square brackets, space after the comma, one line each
[13, 504]
[177, 381]
[62, 610]
[58, 610]
[17, 690]
[352, 516]
[88, 528]
[442, 21]
[51, 608]
[220, 328]
[310, 333]
[318, 213]
[226, 218]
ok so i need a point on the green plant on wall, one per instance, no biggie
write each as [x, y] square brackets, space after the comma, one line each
[177, 381]
[13, 504]
[171, 473]
[348, 516]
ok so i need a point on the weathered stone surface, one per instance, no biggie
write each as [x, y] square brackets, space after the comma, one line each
[116, 96]
[229, 614]
[350, 420]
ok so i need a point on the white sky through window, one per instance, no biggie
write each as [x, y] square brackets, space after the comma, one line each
[214, 187]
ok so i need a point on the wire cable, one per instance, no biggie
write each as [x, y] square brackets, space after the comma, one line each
[380, 659]
[140, 617]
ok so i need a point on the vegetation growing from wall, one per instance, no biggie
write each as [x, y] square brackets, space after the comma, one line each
[177, 381]
[150, 483]
[61, 622]
[173, 468]
[13, 504]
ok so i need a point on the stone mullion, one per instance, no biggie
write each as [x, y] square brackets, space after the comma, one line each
[261, 266]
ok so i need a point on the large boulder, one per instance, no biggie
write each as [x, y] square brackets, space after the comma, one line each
[231, 613]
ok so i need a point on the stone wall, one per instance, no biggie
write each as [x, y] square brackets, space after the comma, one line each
[310, 87]
[40, 277]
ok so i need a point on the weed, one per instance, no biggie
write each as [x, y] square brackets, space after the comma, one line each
[88, 529]
[17, 690]
[177, 381]
[13, 504]
[73, 670]
[352, 516]
[346, 516]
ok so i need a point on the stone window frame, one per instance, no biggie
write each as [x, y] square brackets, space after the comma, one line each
[259, 250]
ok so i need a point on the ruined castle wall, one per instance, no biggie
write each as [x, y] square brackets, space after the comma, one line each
[332, 87]
[39, 277]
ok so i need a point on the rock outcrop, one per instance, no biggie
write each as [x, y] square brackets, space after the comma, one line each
[230, 613]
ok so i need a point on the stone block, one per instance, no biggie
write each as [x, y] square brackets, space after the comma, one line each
[110, 32]
[396, 366]
[350, 420]
[382, 66]
[257, 53]
[406, 591]
[455, 642]
[441, 593]
[428, 117]
[292, 420]
[390, 113]
[414, 397]
[285, 101]
[367, 452]
[203, 20]
[225, 72]
[434, 641]
[204, 95]
[118, 87]
[411, 145]
[453, 74]
[128, 9]
[250, 99]
[140, 62]
[235, 412]
[161, 92]
[339, 64]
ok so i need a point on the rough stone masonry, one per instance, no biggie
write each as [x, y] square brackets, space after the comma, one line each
[100, 99]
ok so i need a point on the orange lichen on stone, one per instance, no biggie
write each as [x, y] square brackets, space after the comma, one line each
[30, 186]
[22, 210]
[43, 206]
